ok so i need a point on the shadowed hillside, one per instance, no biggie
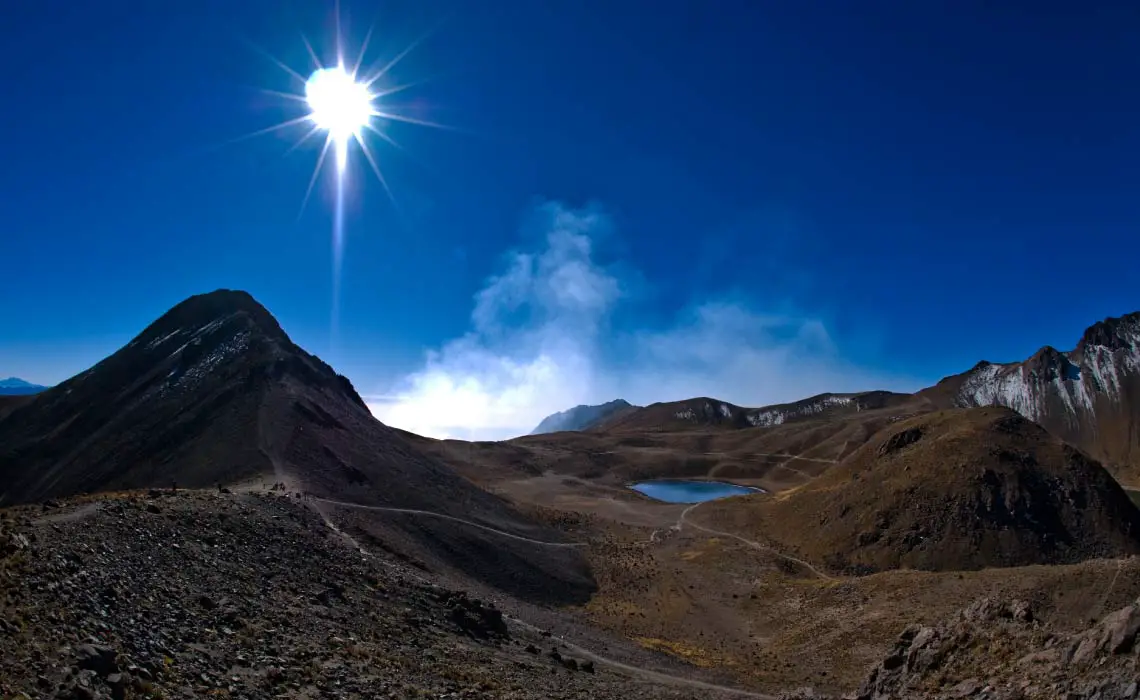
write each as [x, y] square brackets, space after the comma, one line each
[952, 490]
[214, 392]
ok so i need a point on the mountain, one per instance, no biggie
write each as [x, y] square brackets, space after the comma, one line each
[582, 417]
[948, 491]
[1088, 396]
[14, 386]
[215, 392]
[708, 412]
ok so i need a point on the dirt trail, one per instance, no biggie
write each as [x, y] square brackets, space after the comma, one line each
[772, 454]
[653, 676]
[681, 522]
[430, 514]
[71, 515]
[641, 673]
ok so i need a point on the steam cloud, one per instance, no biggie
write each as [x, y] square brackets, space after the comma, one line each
[540, 343]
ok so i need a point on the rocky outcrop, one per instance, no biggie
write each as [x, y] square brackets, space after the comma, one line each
[998, 650]
[1089, 396]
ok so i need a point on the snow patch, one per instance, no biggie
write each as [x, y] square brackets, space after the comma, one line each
[999, 385]
[772, 417]
[766, 419]
[205, 365]
[1077, 386]
[159, 341]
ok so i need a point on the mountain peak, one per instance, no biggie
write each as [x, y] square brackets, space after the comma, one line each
[581, 417]
[206, 311]
[16, 386]
[14, 382]
[1114, 333]
[204, 377]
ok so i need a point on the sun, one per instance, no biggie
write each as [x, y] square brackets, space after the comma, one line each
[350, 105]
[340, 106]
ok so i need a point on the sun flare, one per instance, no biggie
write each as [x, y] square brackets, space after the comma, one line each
[348, 105]
[340, 104]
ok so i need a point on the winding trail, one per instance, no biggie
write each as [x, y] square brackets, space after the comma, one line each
[681, 522]
[654, 676]
[641, 673]
[431, 514]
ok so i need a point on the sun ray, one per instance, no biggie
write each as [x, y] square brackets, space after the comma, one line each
[368, 82]
[267, 130]
[312, 54]
[380, 133]
[396, 144]
[376, 169]
[363, 50]
[285, 95]
[276, 61]
[313, 179]
[397, 89]
[312, 132]
[338, 35]
[392, 116]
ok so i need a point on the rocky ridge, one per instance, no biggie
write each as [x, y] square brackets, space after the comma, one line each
[1088, 396]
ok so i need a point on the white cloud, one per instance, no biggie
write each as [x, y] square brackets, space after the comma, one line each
[539, 343]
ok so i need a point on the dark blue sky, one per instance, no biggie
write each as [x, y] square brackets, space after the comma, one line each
[932, 182]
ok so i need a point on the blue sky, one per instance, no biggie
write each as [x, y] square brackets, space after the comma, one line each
[750, 200]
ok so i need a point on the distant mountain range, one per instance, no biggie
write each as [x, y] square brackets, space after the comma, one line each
[14, 386]
[583, 417]
[1088, 396]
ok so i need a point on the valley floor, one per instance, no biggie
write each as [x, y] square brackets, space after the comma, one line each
[674, 580]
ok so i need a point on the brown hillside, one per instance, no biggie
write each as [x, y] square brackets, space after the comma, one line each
[953, 490]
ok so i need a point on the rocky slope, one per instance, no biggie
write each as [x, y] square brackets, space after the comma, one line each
[192, 594]
[998, 650]
[947, 491]
[582, 417]
[1088, 396]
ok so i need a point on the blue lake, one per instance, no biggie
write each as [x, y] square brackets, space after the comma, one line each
[678, 491]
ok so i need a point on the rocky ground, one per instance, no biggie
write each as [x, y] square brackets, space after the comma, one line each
[998, 650]
[193, 594]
